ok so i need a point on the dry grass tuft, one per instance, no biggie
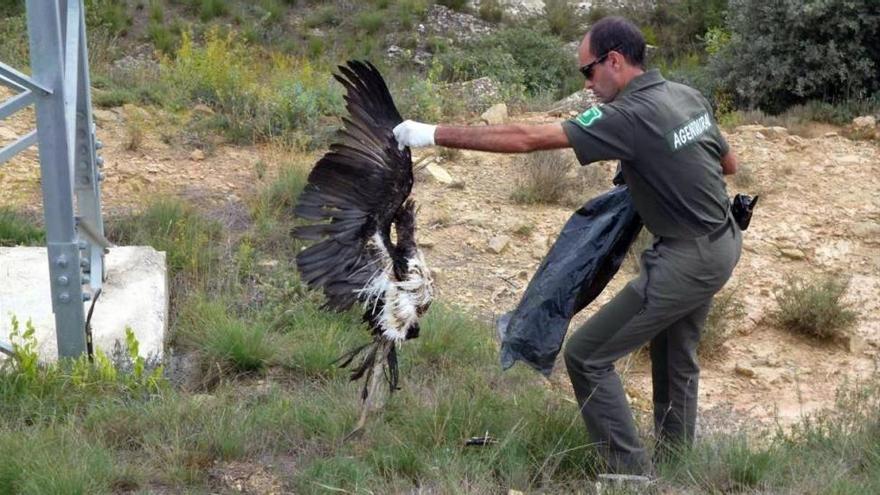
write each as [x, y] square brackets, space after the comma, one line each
[814, 306]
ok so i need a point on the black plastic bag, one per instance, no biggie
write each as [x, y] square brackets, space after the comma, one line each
[587, 253]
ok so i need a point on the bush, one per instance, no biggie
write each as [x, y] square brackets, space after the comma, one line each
[14, 49]
[491, 11]
[783, 53]
[17, 229]
[544, 178]
[109, 14]
[564, 20]
[814, 306]
[458, 5]
[254, 99]
[515, 57]
[370, 21]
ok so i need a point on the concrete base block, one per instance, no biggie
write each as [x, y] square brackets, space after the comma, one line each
[134, 295]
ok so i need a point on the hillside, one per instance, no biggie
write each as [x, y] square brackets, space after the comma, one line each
[206, 146]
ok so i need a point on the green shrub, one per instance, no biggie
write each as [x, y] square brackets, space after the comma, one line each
[17, 229]
[163, 39]
[676, 28]
[458, 5]
[254, 99]
[110, 14]
[14, 48]
[564, 20]
[370, 21]
[491, 11]
[515, 56]
[210, 9]
[326, 15]
[813, 306]
[783, 53]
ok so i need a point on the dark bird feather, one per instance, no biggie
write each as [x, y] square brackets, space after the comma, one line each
[356, 193]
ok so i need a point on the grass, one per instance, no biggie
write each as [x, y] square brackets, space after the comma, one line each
[170, 225]
[272, 398]
[813, 306]
[19, 229]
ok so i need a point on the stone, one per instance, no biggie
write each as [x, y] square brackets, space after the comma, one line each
[830, 134]
[864, 122]
[202, 109]
[497, 244]
[854, 343]
[441, 21]
[495, 115]
[135, 295]
[745, 371]
[476, 94]
[776, 133]
[749, 128]
[607, 484]
[848, 160]
[197, 155]
[796, 141]
[792, 253]
[868, 232]
[439, 174]
[573, 104]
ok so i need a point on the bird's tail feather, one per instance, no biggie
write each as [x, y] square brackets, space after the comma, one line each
[380, 354]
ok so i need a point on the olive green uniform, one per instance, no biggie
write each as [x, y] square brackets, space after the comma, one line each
[670, 149]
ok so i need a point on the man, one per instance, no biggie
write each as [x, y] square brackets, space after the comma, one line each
[672, 157]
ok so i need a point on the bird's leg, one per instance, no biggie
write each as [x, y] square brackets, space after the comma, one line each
[377, 394]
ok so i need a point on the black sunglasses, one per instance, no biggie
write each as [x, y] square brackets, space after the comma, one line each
[587, 70]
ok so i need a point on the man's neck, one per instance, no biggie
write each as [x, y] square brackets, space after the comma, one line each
[629, 74]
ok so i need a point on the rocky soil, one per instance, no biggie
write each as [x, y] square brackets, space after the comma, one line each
[819, 213]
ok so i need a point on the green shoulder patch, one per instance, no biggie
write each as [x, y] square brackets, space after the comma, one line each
[587, 118]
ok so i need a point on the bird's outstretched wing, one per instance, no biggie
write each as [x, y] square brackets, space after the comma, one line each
[354, 192]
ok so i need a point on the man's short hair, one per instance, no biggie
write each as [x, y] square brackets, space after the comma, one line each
[620, 35]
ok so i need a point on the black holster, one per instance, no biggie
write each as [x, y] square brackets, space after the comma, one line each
[741, 208]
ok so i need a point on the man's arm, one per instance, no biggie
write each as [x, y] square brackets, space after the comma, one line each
[728, 163]
[511, 138]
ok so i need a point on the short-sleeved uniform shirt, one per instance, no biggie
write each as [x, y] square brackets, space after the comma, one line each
[669, 147]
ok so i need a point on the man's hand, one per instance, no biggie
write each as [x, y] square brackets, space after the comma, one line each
[414, 134]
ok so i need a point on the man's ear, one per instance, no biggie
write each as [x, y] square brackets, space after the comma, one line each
[617, 59]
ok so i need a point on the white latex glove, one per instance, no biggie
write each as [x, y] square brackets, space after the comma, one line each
[414, 134]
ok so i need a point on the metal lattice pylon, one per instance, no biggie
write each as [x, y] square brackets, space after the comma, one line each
[65, 135]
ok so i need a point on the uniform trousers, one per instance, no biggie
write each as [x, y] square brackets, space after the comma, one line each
[666, 306]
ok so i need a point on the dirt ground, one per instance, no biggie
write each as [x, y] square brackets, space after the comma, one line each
[819, 213]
